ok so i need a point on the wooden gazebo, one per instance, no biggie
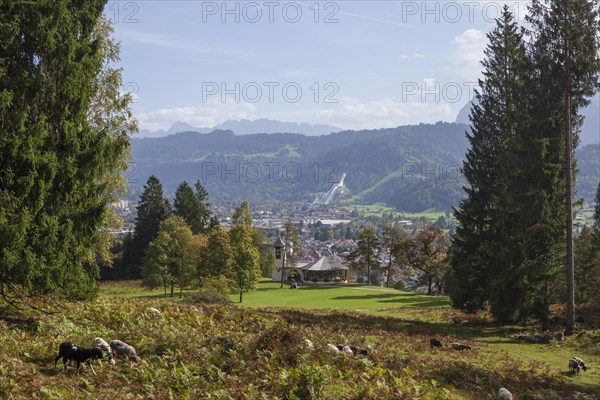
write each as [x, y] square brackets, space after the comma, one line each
[326, 270]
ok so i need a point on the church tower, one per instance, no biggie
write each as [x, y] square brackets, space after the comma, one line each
[278, 256]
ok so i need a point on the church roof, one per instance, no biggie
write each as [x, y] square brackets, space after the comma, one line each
[325, 264]
[277, 242]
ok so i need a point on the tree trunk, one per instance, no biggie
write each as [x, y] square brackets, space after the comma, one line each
[570, 261]
[165, 287]
[430, 283]
[387, 283]
[172, 289]
[180, 292]
[241, 291]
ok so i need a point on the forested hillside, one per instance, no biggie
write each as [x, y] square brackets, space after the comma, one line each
[412, 168]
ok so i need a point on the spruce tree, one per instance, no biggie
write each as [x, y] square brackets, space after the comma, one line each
[152, 209]
[565, 54]
[57, 158]
[497, 116]
[194, 207]
[185, 206]
[207, 221]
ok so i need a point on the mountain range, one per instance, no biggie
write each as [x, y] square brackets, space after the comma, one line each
[246, 127]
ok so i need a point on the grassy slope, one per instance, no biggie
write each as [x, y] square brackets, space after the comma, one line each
[192, 351]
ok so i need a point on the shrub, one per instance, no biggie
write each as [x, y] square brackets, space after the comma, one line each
[219, 283]
[211, 296]
[400, 285]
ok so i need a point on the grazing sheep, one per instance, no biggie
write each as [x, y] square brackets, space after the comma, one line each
[309, 344]
[352, 350]
[460, 346]
[68, 351]
[535, 339]
[102, 345]
[581, 363]
[154, 311]
[435, 343]
[576, 364]
[504, 394]
[333, 350]
[123, 349]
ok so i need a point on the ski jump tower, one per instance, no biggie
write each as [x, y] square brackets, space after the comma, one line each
[330, 195]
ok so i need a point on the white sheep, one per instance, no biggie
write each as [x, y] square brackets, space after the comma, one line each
[308, 344]
[123, 349]
[102, 345]
[504, 394]
[332, 349]
[154, 311]
[347, 350]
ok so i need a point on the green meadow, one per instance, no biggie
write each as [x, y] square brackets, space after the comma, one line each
[379, 209]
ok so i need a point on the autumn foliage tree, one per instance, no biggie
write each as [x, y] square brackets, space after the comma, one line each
[367, 252]
[245, 271]
[428, 255]
[167, 262]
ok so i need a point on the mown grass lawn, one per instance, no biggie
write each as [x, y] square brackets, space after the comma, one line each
[343, 297]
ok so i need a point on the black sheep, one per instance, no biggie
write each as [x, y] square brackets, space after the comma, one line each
[576, 364]
[435, 343]
[460, 346]
[68, 351]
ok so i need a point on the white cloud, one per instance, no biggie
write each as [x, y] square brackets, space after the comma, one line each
[207, 115]
[350, 113]
[469, 53]
[407, 56]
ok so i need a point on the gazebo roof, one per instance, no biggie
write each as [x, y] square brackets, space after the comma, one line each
[325, 264]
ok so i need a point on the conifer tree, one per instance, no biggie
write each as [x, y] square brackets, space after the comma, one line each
[193, 207]
[152, 209]
[207, 221]
[58, 156]
[498, 117]
[184, 205]
[565, 55]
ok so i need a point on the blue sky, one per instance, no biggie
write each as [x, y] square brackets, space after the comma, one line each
[352, 64]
